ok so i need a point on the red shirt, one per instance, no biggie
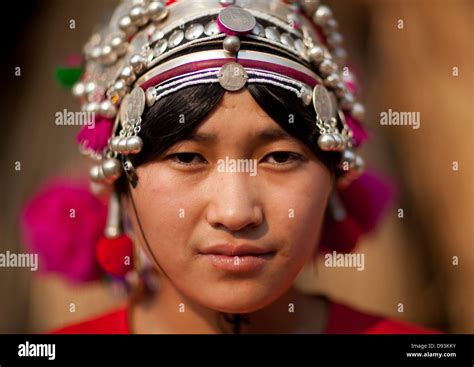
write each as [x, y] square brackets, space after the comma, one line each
[342, 320]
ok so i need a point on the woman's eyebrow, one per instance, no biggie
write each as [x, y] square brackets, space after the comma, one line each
[263, 136]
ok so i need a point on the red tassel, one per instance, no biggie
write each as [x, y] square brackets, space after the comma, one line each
[115, 255]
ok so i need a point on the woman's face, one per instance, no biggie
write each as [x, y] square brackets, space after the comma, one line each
[233, 212]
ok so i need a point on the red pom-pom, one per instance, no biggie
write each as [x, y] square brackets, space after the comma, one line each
[115, 255]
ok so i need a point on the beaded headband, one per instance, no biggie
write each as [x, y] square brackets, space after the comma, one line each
[151, 49]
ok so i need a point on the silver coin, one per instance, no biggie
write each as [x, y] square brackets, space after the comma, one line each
[194, 31]
[272, 34]
[232, 76]
[212, 29]
[160, 47]
[132, 106]
[237, 19]
[287, 40]
[322, 103]
[176, 38]
[258, 30]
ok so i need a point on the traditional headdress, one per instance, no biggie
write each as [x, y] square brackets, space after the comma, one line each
[150, 49]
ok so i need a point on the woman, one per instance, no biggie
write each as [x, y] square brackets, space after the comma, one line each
[227, 134]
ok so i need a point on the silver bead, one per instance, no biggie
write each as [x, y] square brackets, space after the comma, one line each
[122, 146]
[96, 174]
[107, 55]
[307, 95]
[226, 2]
[150, 96]
[331, 25]
[194, 31]
[339, 142]
[114, 142]
[127, 26]
[120, 88]
[358, 111]
[112, 169]
[332, 80]
[310, 6]
[79, 90]
[347, 159]
[232, 44]
[316, 54]
[107, 109]
[137, 62]
[90, 88]
[322, 15]
[157, 11]
[119, 45]
[339, 54]
[91, 107]
[127, 75]
[326, 67]
[326, 142]
[139, 16]
[95, 53]
[335, 39]
[134, 144]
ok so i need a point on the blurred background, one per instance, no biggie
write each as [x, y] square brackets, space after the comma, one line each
[408, 260]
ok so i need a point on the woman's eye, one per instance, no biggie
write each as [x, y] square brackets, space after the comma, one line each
[187, 158]
[281, 158]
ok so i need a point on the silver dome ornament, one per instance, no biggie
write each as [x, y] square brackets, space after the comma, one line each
[258, 30]
[309, 6]
[358, 111]
[150, 96]
[322, 15]
[236, 21]
[212, 29]
[91, 107]
[226, 2]
[112, 169]
[160, 47]
[316, 54]
[194, 31]
[232, 44]
[107, 55]
[301, 48]
[127, 75]
[120, 88]
[272, 33]
[137, 62]
[307, 95]
[175, 38]
[90, 88]
[122, 146]
[157, 11]
[127, 26]
[134, 144]
[326, 142]
[287, 40]
[232, 76]
[107, 109]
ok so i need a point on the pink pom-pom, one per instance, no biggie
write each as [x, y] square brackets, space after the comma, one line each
[364, 202]
[96, 138]
[62, 224]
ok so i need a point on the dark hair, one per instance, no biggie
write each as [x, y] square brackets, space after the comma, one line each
[161, 127]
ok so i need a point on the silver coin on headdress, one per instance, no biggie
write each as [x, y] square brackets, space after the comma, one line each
[322, 103]
[132, 106]
[237, 19]
[232, 76]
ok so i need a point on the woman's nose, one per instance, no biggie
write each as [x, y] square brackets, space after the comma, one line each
[233, 202]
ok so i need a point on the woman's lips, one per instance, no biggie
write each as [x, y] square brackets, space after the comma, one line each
[236, 258]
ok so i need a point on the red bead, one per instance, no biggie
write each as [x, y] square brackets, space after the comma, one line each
[115, 255]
